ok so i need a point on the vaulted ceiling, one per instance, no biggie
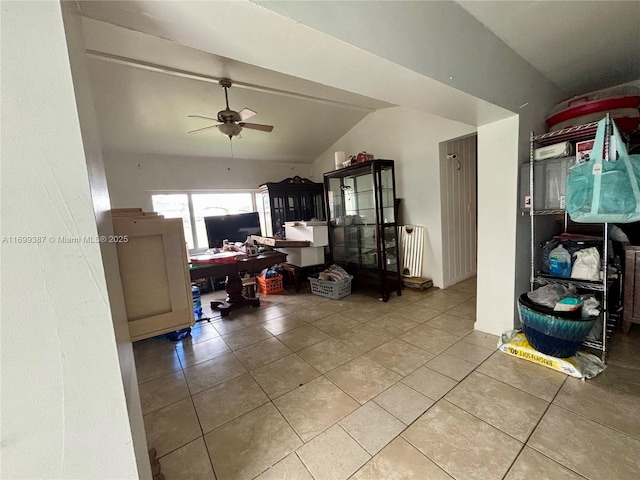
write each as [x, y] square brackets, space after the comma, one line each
[146, 83]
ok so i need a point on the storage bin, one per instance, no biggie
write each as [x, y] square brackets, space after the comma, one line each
[270, 286]
[330, 289]
[550, 183]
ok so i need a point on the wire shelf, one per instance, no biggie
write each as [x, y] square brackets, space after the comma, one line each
[568, 282]
[548, 212]
[587, 131]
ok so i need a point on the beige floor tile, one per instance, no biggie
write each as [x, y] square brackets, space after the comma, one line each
[362, 378]
[283, 375]
[249, 445]
[392, 324]
[452, 324]
[231, 399]
[528, 376]
[372, 427]
[152, 367]
[328, 354]
[201, 332]
[303, 300]
[468, 285]
[507, 408]
[462, 445]
[262, 353]
[190, 354]
[623, 379]
[531, 464]
[311, 313]
[289, 468]
[151, 348]
[302, 337]
[451, 366]
[270, 312]
[333, 455]
[403, 402]
[362, 313]
[246, 336]
[364, 338]
[278, 299]
[314, 407]
[212, 372]
[445, 299]
[470, 352]
[234, 323]
[416, 312]
[400, 461]
[466, 309]
[615, 409]
[434, 303]
[430, 383]
[190, 462]
[399, 356]
[429, 339]
[336, 324]
[163, 391]
[482, 339]
[172, 427]
[283, 324]
[586, 447]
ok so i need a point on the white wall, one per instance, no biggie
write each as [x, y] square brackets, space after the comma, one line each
[411, 138]
[442, 41]
[64, 412]
[497, 203]
[131, 176]
[102, 206]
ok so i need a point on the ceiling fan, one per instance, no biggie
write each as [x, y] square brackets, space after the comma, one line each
[232, 122]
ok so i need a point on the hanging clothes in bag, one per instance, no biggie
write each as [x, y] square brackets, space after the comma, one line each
[603, 190]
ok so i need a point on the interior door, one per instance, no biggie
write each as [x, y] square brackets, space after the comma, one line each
[458, 163]
[155, 275]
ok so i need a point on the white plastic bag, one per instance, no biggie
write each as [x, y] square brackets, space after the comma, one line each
[586, 265]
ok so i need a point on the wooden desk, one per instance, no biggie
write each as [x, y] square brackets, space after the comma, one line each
[233, 285]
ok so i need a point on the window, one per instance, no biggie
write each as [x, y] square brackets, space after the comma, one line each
[193, 207]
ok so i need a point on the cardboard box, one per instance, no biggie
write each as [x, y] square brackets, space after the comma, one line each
[583, 151]
[317, 235]
[304, 257]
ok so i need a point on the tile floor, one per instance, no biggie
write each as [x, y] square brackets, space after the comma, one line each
[307, 388]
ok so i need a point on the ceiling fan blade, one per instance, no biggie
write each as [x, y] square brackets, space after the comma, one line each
[200, 116]
[243, 115]
[204, 128]
[257, 126]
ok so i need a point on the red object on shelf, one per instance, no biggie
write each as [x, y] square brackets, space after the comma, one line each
[621, 103]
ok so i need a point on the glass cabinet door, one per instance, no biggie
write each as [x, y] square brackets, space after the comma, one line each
[387, 196]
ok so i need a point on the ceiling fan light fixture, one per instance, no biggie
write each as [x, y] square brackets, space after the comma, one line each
[230, 129]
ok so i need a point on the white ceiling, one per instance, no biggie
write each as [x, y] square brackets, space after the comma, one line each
[145, 85]
[581, 46]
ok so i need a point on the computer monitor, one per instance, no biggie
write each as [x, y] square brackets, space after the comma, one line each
[235, 228]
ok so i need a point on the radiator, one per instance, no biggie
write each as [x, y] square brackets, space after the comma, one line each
[412, 248]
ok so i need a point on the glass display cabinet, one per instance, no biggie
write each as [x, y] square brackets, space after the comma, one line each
[362, 224]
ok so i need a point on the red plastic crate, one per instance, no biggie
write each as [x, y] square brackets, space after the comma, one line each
[270, 286]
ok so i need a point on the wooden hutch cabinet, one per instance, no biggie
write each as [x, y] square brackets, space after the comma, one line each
[292, 199]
